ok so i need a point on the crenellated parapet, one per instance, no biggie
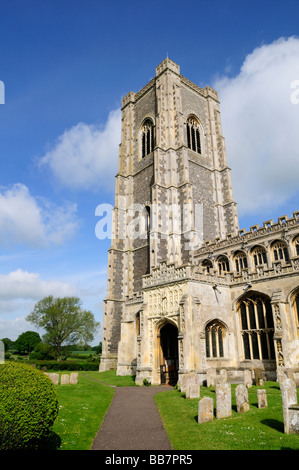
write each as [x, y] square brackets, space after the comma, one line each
[259, 252]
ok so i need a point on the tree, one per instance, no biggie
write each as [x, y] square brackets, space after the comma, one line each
[64, 321]
[27, 341]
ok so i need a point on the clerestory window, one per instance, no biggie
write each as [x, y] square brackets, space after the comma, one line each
[280, 251]
[259, 255]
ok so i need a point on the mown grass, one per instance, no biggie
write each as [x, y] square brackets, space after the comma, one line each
[82, 408]
[257, 429]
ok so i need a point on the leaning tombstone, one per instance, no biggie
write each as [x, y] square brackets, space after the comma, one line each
[262, 398]
[73, 378]
[242, 401]
[280, 375]
[211, 376]
[290, 374]
[247, 378]
[223, 400]
[205, 410]
[65, 379]
[289, 397]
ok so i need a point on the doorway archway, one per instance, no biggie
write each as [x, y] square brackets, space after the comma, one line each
[169, 358]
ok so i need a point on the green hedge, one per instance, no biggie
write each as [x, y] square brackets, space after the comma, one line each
[28, 406]
[65, 365]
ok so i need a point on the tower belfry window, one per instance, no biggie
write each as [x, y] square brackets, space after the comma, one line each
[147, 138]
[193, 134]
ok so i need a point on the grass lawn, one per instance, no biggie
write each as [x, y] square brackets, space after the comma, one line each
[257, 429]
[82, 408]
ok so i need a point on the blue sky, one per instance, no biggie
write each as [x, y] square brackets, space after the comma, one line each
[66, 65]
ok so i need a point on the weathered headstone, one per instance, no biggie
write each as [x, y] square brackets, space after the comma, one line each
[290, 374]
[183, 381]
[223, 400]
[281, 375]
[187, 380]
[258, 376]
[294, 419]
[193, 391]
[65, 379]
[211, 376]
[289, 397]
[205, 410]
[247, 378]
[242, 401]
[73, 377]
[262, 398]
[223, 376]
[54, 378]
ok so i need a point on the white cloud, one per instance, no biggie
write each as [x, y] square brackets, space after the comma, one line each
[260, 125]
[86, 156]
[21, 284]
[35, 222]
[19, 291]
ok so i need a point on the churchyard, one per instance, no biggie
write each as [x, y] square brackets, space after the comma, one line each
[251, 418]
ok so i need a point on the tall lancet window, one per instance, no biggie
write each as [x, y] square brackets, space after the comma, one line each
[147, 136]
[193, 134]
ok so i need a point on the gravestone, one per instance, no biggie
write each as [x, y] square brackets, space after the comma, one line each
[223, 400]
[73, 377]
[223, 376]
[294, 419]
[290, 374]
[193, 391]
[262, 398]
[258, 376]
[205, 410]
[289, 397]
[54, 378]
[211, 376]
[242, 401]
[247, 378]
[65, 379]
[281, 375]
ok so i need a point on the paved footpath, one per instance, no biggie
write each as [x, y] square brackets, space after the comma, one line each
[133, 421]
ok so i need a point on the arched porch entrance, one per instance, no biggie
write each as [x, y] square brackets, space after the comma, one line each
[169, 359]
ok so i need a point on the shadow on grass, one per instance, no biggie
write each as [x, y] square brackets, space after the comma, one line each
[274, 424]
[53, 442]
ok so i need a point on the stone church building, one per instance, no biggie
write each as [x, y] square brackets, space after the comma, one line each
[187, 289]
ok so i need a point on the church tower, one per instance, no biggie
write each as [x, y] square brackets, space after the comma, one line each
[173, 193]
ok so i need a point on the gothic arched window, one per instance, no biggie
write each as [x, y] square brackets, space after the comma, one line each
[296, 244]
[223, 265]
[215, 333]
[193, 134]
[296, 308]
[147, 137]
[280, 251]
[259, 255]
[240, 261]
[257, 327]
[207, 264]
